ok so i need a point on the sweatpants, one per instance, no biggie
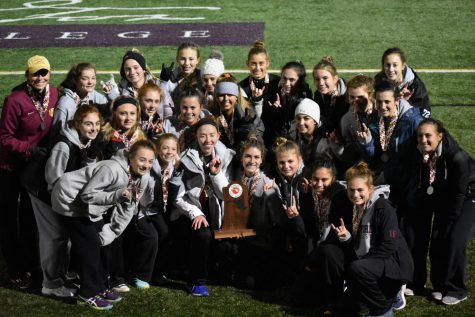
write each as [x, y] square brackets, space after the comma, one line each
[53, 242]
[18, 232]
[449, 251]
[87, 246]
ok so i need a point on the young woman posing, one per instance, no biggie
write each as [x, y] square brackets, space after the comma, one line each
[151, 113]
[410, 85]
[367, 250]
[443, 186]
[82, 197]
[212, 69]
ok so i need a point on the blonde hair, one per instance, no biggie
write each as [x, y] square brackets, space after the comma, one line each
[362, 170]
[326, 63]
[166, 136]
[361, 81]
[282, 145]
[113, 125]
[258, 48]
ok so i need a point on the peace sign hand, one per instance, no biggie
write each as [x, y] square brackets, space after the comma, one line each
[215, 165]
[292, 211]
[341, 229]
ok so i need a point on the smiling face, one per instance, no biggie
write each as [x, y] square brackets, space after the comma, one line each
[150, 102]
[386, 104]
[190, 109]
[39, 80]
[325, 82]
[258, 65]
[188, 60]
[394, 67]
[251, 161]
[289, 79]
[167, 150]
[322, 180]
[305, 124]
[288, 163]
[86, 82]
[209, 83]
[207, 136]
[141, 162]
[134, 73]
[126, 115]
[90, 126]
[358, 190]
[227, 103]
[428, 138]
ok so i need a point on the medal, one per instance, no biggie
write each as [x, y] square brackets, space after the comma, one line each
[430, 190]
[384, 157]
[42, 126]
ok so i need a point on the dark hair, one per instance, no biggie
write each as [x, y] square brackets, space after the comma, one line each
[166, 136]
[119, 101]
[190, 45]
[323, 162]
[437, 123]
[210, 120]
[384, 84]
[147, 144]
[393, 50]
[252, 142]
[189, 91]
[82, 112]
[137, 56]
[299, 68]
[74, 74]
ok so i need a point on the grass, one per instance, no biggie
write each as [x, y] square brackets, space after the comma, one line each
[435, 34]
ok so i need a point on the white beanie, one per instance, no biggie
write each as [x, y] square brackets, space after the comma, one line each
[213, 65]
[310, 108]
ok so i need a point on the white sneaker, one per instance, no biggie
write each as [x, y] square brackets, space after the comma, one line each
[61, 291]
[408, 292]
[437, 296]
[450, 300]
[121, 288]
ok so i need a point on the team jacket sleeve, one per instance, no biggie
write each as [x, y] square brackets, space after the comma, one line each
[385, 232]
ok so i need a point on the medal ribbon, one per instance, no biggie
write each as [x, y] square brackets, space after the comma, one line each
[228, 129]
[133, 186]
[41, 108]
[432, 162]
[385, 135]
[251, 183]
[322, 208]
[357, 217]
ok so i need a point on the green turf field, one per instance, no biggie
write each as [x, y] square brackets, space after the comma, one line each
[435, 35]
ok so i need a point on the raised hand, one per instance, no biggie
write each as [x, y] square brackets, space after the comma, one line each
[157, 127]
[109, 85]
[341, 229]
[215, 165]
[276, 103]
[167, 72]
[292, 211]
[363, 134]
[268, 186]
[305, 184]
[256, 93]
[406, 93]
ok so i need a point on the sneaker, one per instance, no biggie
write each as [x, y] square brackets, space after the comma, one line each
[199, 290]
[110, 296]
[400, 300]
[95, 302]
[450, 300]
[61, 291]
[388, 313]
[138, 283]
[408, 292]
[121, 288]
[160, 280]
[437, 296]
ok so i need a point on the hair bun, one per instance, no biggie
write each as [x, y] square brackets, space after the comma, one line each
[327, 59]
[259, 44]
[279, 141]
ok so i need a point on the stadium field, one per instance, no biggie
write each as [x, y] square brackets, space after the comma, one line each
[436, 35]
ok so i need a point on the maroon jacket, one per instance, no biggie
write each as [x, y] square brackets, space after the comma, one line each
[20, 126]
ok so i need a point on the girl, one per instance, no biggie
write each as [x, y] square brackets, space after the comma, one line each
[82, 197]
[135, 73]
[330, 93]
[146, 237]
[123, 130]
[367, 250]
[443, 185]
[236, 120]
[386, 138]
[296, 202]
[74, 149]
[78, 89]
[279, 113]
[307, 134]
[411, 87]
[26, 120]
[212, 69]
[187, 73]
[191, 111]
[259, 86]
[150, 96]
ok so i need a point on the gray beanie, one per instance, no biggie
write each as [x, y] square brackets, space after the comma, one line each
[309, 108]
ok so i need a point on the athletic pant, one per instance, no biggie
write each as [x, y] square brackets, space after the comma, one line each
[53, 242]
[18, 233]
[448, 251]
[86, 244]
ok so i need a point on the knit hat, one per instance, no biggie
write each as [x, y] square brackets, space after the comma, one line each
[310, 108]
[139, 58]
[213, 65]
[36, 63]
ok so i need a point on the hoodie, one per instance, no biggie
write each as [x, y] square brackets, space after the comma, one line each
[91, 191]
[332, 114]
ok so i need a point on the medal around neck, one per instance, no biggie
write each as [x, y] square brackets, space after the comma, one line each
[430, 190]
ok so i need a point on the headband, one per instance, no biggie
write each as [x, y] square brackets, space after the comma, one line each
[123, 100]
[227, 88]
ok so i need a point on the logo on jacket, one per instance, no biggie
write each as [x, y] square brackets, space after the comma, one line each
[235, 190]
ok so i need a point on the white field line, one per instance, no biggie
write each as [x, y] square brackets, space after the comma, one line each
[275, 71]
